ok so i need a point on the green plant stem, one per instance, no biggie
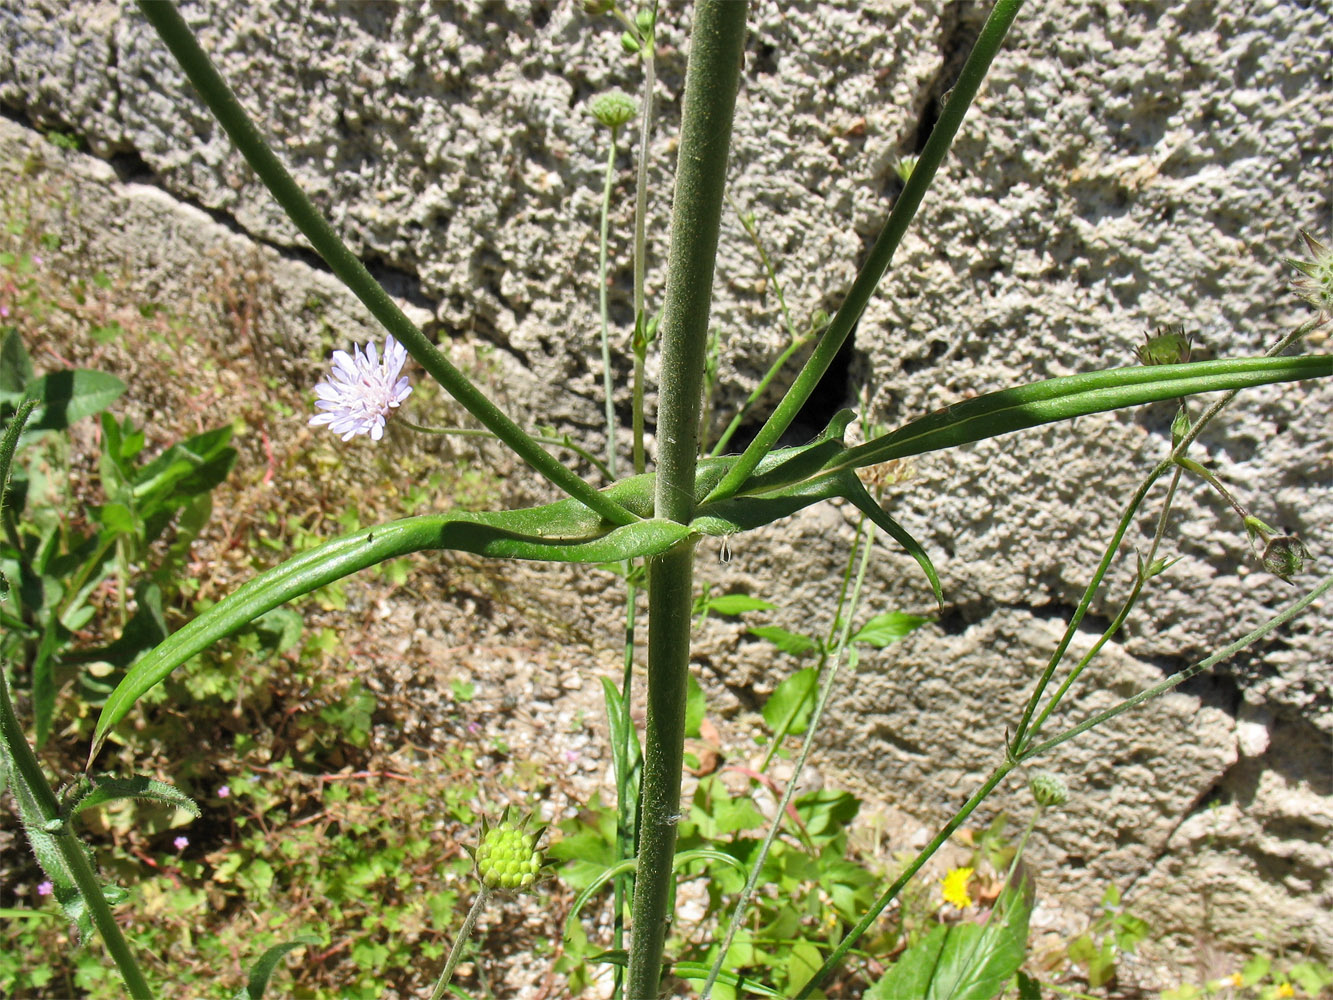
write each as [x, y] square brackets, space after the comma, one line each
[716, 47]
[881, 254]
[795, 344]
[757, 394]
[233, 118]
[607, 388]
[891, 893]
[464, 934]
[76, 862]
[1189, 465]
[555, 442]
[1180, 677]
[825, 692]
[1140, 581]
[625, 802]
[649, 52]
[1021, 736]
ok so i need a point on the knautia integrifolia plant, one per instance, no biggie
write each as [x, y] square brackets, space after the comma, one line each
[649, 524]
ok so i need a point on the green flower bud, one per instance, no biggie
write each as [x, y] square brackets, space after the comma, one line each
[1165, 347]
[614, 109]
[1317, 285]
[1048, 789]
[509, 857]
[1180, 426]
[1284, 556]
[593, 8]
[630, 44]
[904, 167]
[644, 19]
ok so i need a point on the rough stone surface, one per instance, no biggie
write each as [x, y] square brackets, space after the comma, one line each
[1126, 166]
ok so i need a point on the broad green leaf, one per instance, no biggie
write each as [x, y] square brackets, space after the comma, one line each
[104, 790]
[1028, 987]
[789, 642]
[827, 811]
[963, 961]
[803, 961]
[268, 962]
[116, 518]
[15, 366]
[695, 706]
[913, 970]
[67, 396]
[884, 629]
[788, 708]
[736, 604]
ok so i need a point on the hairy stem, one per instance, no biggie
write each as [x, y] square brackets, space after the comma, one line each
[712, 77]
[464, 935]
[29, 772]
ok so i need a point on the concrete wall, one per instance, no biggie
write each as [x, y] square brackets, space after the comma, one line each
[1126, 166]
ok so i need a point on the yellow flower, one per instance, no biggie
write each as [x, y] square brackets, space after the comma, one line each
[1285, 990]
[954, 887]
[1235, 979]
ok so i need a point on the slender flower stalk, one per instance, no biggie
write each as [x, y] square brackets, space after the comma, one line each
[812, 727]
[641, 243]
[464, 935]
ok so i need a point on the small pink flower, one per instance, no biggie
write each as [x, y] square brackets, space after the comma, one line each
[181, 843]
[362, 390]
[37, 261]
[474, 728]
[4, 312]
[223, 791]
[571, 755]
[45, 889]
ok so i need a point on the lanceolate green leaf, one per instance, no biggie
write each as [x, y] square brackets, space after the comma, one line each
[564, 532]
[103, 790]
[1045, 402]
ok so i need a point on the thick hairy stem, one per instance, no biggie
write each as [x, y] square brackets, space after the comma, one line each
[716, 43]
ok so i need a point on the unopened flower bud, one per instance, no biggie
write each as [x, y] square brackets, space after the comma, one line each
[593, 8]
[904, 167]
[630, 44]
[1048, 789]
[614, 109]
[1284, 556]
[1180, 426]
[644, 19]
[1317, 285]
[1165, 347]
[508, 857]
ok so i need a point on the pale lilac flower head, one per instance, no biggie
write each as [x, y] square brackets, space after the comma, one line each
[181, 843]
[223, 791]
[361, 390]
[45, 888]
